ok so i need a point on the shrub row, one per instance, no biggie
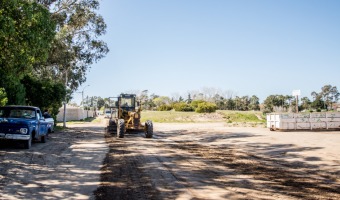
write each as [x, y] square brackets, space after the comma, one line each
[164, 108]
[206, 107]
[183, 107]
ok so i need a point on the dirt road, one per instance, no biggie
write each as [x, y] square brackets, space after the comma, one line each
[211, 161]
[66, 167]
[182, 161]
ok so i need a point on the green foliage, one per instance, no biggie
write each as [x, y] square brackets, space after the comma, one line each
[242, 116]
[206, 107]
[44, 94]
[27, 31]
[14, 89]
[181, 106]
[281, 101]
[305, 103]
[161, 100]
[3, 97]
[76, 45]
[230, 104]
[325, 99]
[164, 108]
[100, 103]
[195, 103]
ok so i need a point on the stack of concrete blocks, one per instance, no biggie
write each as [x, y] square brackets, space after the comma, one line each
[304, 121]
[73, 113]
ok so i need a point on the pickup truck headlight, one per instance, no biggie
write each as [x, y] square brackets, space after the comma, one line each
[23, 130]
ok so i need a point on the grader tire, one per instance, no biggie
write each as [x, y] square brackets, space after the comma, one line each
[120, 128]
[148, 129]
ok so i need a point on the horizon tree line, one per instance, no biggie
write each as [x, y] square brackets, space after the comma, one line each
[227, 100]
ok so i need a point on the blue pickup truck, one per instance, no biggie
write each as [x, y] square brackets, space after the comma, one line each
[24, 123]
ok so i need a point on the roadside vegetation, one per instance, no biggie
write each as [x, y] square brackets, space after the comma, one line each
[46, 49]
[243, 116]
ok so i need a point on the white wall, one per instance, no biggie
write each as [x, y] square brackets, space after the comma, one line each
[73, 113]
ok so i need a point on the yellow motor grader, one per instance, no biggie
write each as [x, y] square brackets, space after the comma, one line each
[126, 115]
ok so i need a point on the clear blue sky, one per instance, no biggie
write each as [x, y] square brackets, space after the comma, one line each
[252, 47]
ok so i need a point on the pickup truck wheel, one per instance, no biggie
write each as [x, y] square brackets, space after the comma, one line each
[120, 128]
[28, 143]
[148, 129]
[43, 138]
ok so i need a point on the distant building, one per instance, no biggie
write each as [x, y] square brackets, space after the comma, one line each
[73, 113]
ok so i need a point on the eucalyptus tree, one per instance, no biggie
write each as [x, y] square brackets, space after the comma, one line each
[254, 103]
[305, 103]
[230, 104]
[335, 95]
[76, 45]
[327, 96]
[238, 102]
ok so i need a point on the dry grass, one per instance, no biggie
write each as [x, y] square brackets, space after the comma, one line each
[232, 117]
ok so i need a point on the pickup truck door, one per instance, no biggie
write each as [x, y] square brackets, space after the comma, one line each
[42, 124]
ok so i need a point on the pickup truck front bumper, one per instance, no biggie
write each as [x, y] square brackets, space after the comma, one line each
[14, 136]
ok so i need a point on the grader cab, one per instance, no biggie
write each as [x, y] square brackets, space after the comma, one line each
[126, 115]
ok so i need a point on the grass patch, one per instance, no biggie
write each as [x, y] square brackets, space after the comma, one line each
[242, 116]
[249, 117]
[168, 116]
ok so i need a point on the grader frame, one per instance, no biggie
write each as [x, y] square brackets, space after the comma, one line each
[126, 115]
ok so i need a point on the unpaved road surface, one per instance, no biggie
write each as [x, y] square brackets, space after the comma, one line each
[66, 167]
[211, 161]
[182, 161]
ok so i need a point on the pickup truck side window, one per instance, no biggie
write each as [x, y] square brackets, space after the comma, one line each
[38, 115]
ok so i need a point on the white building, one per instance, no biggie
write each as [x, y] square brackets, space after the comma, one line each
[73, 113]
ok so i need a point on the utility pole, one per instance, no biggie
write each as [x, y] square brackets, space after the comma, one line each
[297, 106]
[296, 93]
[65, 100]
[82, 95]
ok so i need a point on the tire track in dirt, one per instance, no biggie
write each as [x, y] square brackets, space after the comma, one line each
[184, 164]
[277, 175]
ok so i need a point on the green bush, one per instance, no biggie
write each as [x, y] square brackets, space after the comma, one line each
[184, 107]
[206, 107]
[195, 103]
[164, 108]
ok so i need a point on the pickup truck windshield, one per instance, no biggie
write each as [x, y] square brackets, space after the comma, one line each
[17, 113]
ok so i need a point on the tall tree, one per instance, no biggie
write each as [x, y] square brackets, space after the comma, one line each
[76, 46]
[230, 104]
[27, 30]
[254, 103]
[305, 103]
[326, 94]
[334, 96]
